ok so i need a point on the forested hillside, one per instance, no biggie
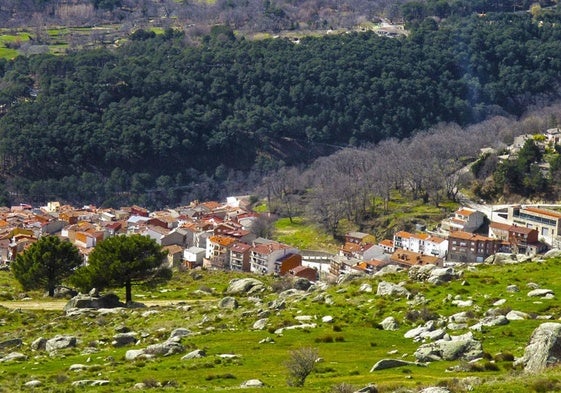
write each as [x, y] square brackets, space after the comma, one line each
[159, 114]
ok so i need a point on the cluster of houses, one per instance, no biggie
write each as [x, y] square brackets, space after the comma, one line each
[525, 230]
[216, 235]
[208, 234]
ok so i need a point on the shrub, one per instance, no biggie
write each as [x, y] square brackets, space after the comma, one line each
[337, 328]
[342, 388]
[300, 364]
[504, 357]
[543, 385]
[324, 339]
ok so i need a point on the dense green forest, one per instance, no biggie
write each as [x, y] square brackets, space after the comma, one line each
[161, 120]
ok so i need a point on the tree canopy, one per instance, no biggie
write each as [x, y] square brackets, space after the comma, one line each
[46, 263]
[157, 118]
[123, 261]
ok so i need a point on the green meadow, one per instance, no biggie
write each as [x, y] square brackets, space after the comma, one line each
[348, 346]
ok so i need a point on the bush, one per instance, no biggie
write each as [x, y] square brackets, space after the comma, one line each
[543, 385]
[300, 364]
[342, 388]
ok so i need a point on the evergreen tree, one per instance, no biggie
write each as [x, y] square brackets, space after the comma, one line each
[46, 263]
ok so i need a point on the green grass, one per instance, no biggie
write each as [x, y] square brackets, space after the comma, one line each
[301, 234]
[349, 346]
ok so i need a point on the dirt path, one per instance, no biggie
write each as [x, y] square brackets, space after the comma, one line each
[59, 304]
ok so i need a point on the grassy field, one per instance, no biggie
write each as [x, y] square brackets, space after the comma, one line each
[301, 234]
[348, 346]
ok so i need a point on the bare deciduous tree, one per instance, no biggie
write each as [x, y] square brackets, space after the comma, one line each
[300, 364]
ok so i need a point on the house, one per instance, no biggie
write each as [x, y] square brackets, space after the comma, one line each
[305, 272]
[525, 240]
[406, 259]
[436, 246]
[421, 243]
[269, 257]
[156, 233]
[470, 247]
[217, 252]
[553, 136]
[287, 262]
[342, 265]
[175, 255]
[193, 257]
[374, 265]
[359, 238]
[387, 245]
[464, 219]
[498, 230]
[546, 222]
[239, 257]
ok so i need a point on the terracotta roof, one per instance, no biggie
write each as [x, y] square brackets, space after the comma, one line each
[224, 241]
[435, 239]
[544, 212]
[240, 247]
[268, 248]
[465, 212]
[420, 236]
[413, 258]
[469, 236]
[517, 229]
[386, 242]
[500, 226]
[403, 234]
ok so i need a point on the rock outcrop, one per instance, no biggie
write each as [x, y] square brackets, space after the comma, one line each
[544, 348]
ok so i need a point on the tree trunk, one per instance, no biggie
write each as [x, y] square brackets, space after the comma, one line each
[51, 291]
[128, 292]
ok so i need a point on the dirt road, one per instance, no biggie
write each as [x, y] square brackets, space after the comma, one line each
[59, 304]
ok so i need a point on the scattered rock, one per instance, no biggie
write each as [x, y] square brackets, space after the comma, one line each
[87, 301]
[252, 383]
[540, 292]
[327, 319]
[512, 288]
[365, 287]
[517, 315]
[302, 284]
[241, 286]
[180, 332]
[60, 342]
[197, 353]
[389, 289]
[134, 354]
[34, 383]
[228, 302]
[499, 302]
[390, 323]
[13, 357]
[89, 382]
[367, 389]
[462, 303]
[389, 269]
[260, 324]
[77, 367]
[392, 363]
[457, 347]
[62, 292]
[498, 320]
[14, 342]
[267, 340]
[123, 339]
[302, 326]
[544, 348]
[166, 348]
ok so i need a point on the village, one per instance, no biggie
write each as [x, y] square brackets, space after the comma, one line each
[220, 236]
